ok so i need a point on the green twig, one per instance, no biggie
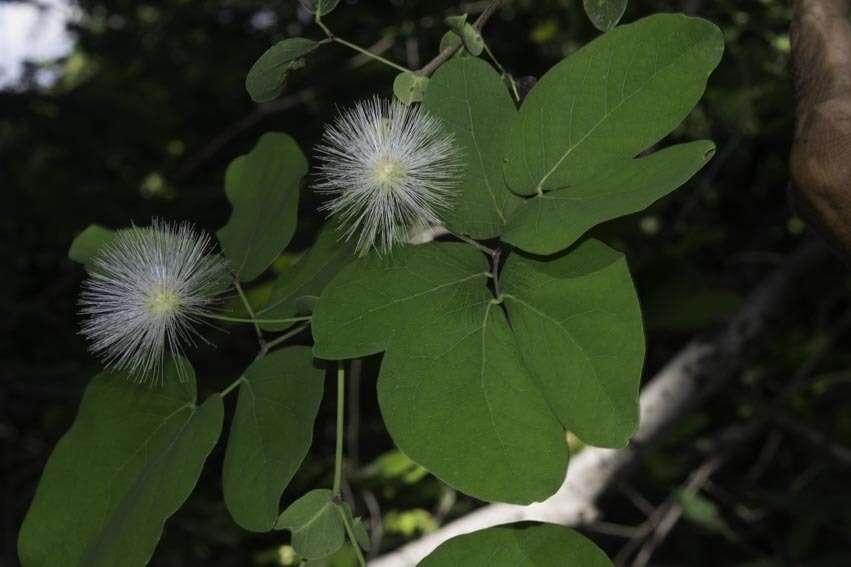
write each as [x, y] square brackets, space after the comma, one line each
[250, 311]
[256, 321]
[338, 461]
[471, 242]
[233, 385]
[341, 404]
[278, 340]
[350, 531]
[358, 48]
[505, 73]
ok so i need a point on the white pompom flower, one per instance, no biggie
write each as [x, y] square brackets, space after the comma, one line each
[147, 290]
[389, 169]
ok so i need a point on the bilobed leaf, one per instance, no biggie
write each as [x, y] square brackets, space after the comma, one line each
[296, 288]
[519, 545]
[610, 100]
[604, 14]
[262, 186]
[451, 365]
[267, 76]
[375, 298]
[570, 359]
[554, 220]
[410, 87]
[86, 245]
[270, 435]
[578, 326]
[315, 523]
[129, 461]
[457, 398]
[470, 98]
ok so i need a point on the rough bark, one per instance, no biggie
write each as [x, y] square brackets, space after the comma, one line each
[820, 162]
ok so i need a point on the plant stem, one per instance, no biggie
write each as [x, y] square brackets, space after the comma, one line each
[278, 340]
[444, 55]
[257, 321]
[370, 54]
[471, 242]
[495, 269]
[505, 73]
[233, 385]
[338, 462]
[250, 311]
[358, 48]
[351, 533]
[341, 404]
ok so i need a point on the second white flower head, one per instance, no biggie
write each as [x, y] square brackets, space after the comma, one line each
[389, 168]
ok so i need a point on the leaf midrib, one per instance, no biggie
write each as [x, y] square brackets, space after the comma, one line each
[608, 114]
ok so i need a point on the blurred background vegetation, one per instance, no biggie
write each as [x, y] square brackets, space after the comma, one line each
[143, 115]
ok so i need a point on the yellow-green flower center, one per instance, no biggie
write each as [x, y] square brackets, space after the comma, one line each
[163, 301]
[389, 173]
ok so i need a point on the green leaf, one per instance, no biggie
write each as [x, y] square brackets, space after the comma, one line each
[604, 14]
[578, 326]
[322, 7]
[315, 523]
[457, 398]
[554, 220]
[296, 288]
[374, 298]
[470, 36]
[263, 188]
[128, 462]
[470, 98]
[86, 245]
[270, 435]
[615, 97]
[451, 365]
[480, 403]
[266, 78]
[519, 545]
[410, 87]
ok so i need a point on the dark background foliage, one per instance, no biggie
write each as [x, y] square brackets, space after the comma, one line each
[150, 107]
